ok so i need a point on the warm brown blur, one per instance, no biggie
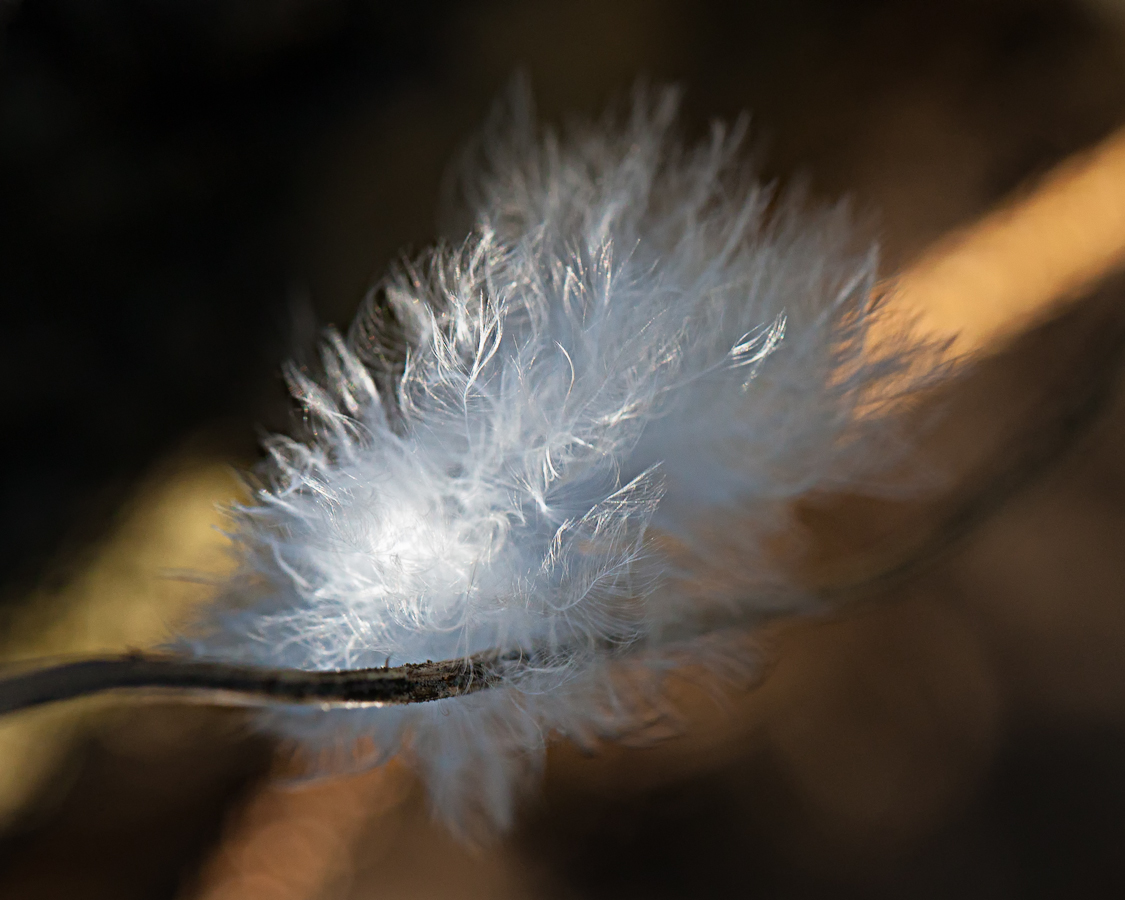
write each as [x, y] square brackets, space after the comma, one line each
[957, 734]
[296, 842]
[1018, 264]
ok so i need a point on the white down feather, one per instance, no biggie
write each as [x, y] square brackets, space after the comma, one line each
[569, 434]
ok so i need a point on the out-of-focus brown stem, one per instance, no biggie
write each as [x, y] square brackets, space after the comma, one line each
[1018, 264]
[295, 843]
[1079, 357]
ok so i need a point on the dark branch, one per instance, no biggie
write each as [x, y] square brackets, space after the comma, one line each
[411, 683]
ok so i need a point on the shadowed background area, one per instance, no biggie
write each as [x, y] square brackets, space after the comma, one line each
[188, 190]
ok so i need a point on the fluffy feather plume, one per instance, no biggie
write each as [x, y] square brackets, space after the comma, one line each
[565, 437]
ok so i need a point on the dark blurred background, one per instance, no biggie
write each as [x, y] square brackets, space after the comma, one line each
[190, 188]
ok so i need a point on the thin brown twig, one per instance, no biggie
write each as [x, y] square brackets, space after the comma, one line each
[409, 683]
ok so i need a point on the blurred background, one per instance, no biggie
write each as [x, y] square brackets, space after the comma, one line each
[189, 189]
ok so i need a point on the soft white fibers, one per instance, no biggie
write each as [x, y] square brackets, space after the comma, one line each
[530, 439]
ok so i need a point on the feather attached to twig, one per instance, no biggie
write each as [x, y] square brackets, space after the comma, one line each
[563, 439]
